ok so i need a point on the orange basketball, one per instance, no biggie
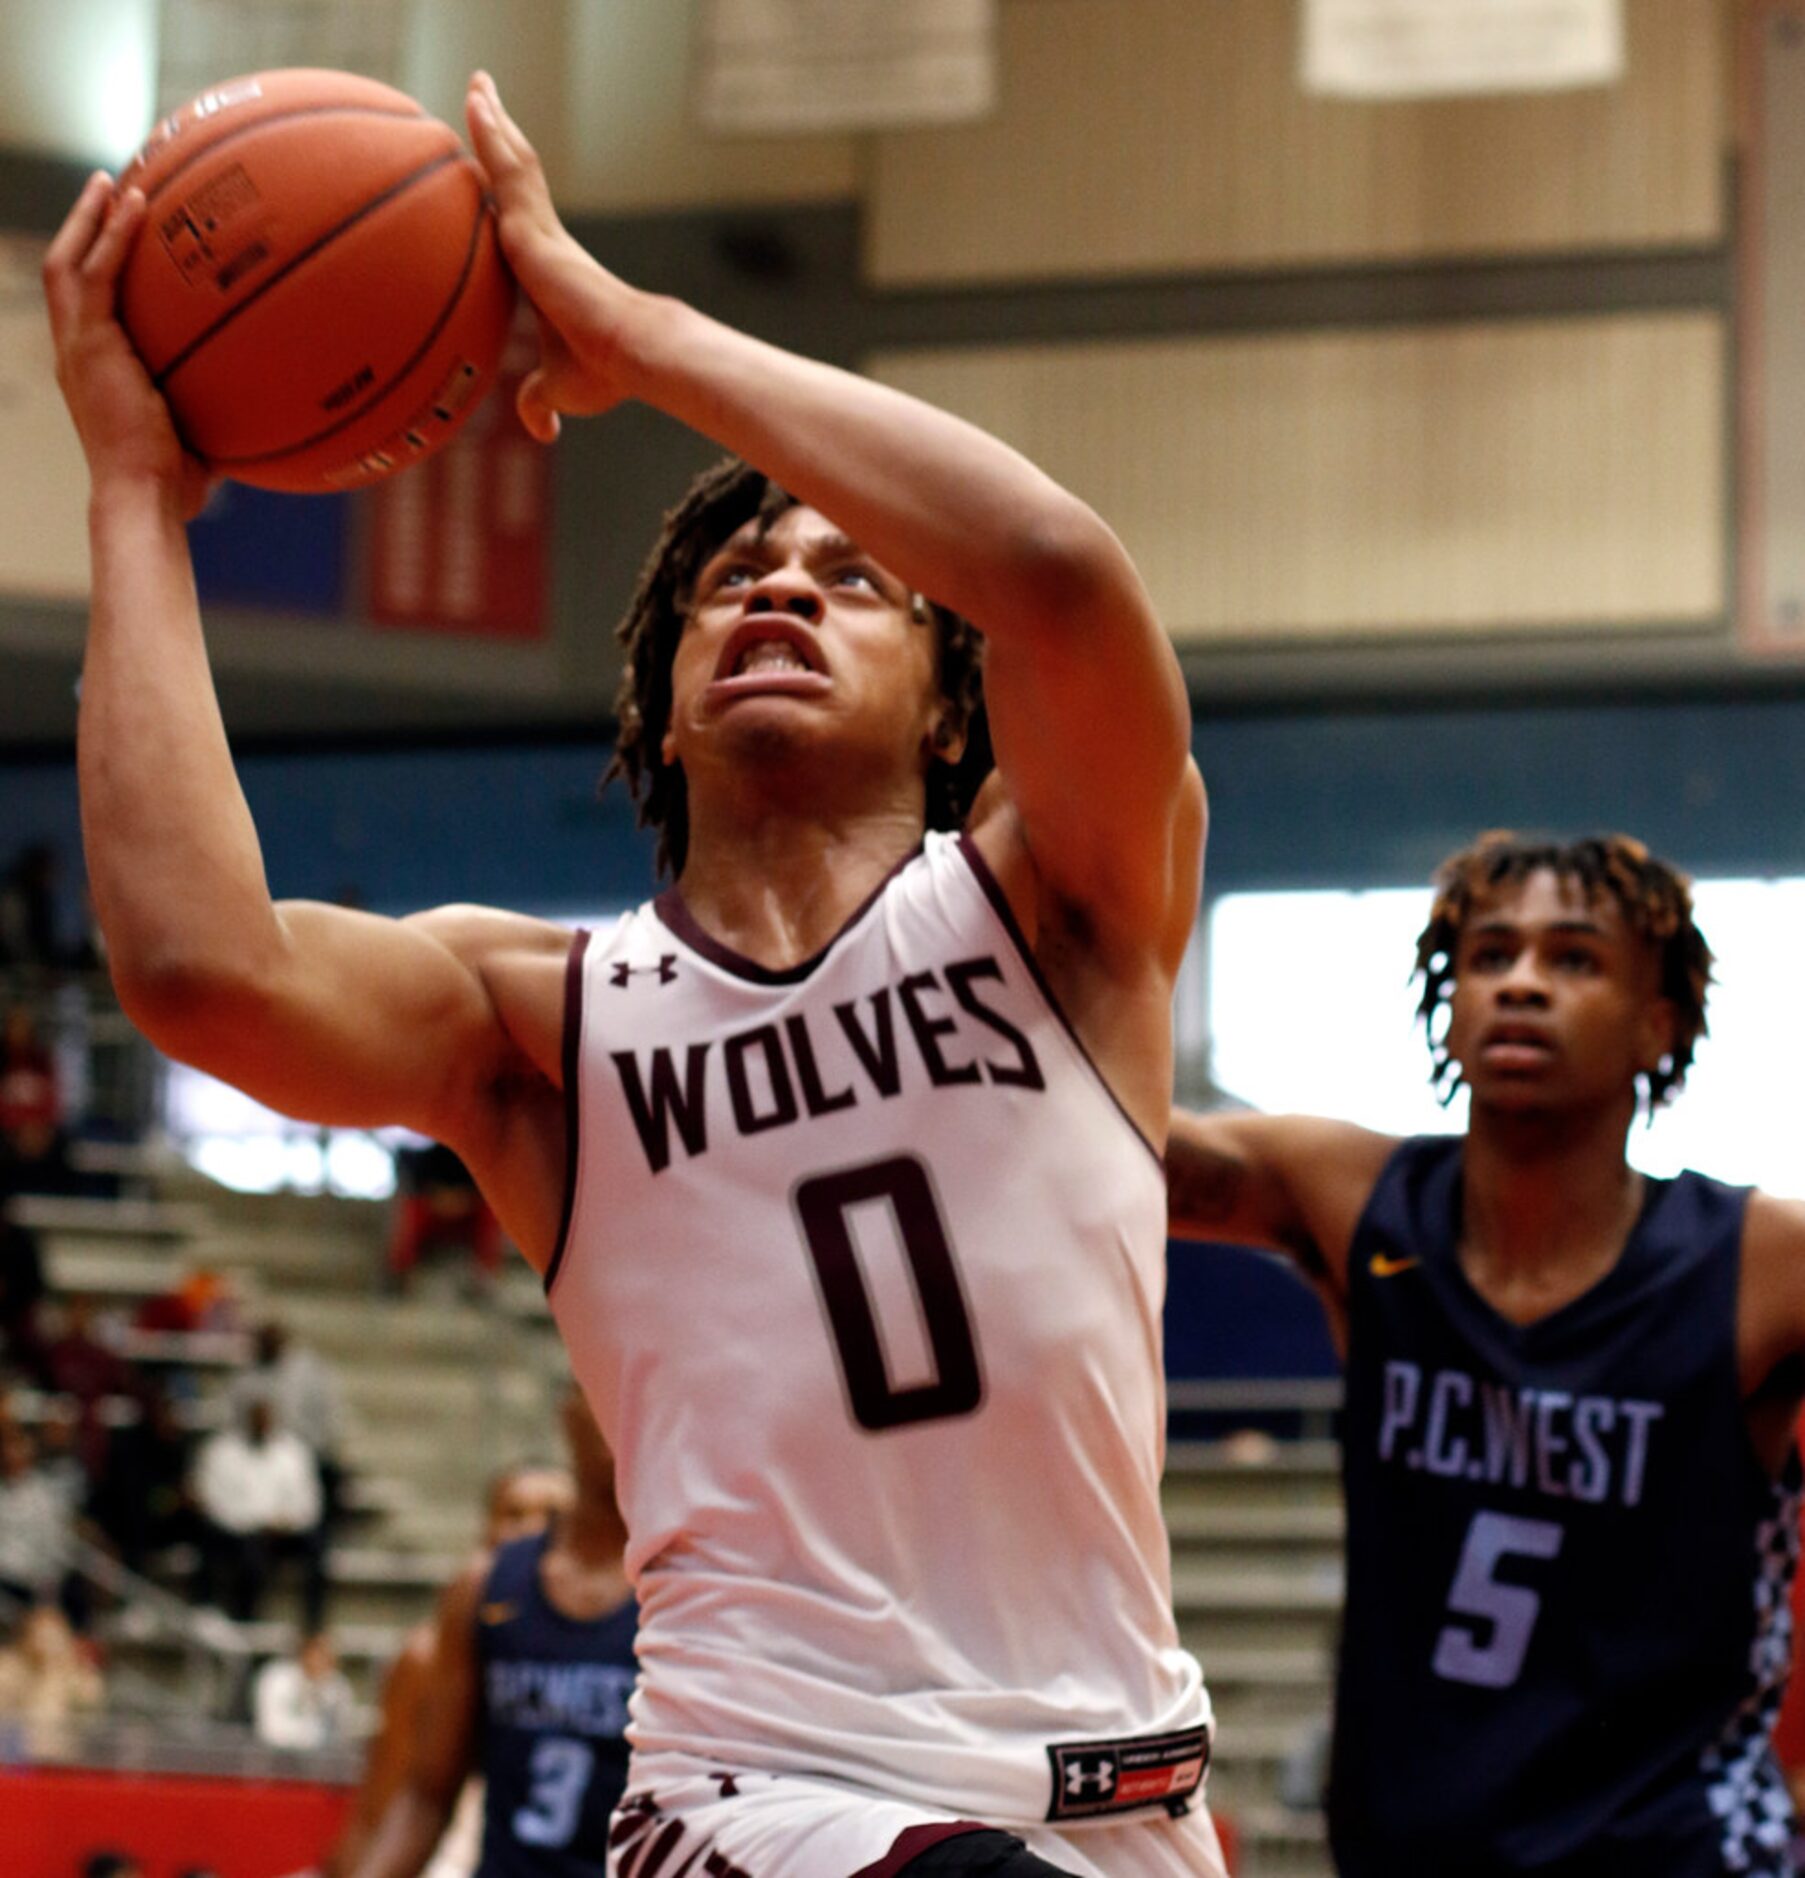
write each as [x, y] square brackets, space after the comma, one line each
[317, 289]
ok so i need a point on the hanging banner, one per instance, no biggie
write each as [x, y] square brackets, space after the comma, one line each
[1380, 49]
[784, 66]
[462, 542]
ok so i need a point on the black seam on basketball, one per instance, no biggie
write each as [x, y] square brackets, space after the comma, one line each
[167, 371]
[382, 391]
[277, 117]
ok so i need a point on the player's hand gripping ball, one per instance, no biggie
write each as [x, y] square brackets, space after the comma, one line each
[317, 290]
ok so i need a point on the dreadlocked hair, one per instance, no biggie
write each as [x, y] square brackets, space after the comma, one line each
[719, 503]
[1654, 899]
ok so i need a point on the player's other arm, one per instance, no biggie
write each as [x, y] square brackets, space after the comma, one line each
[1770, 1331]
[443, 1745]
[1077, 661]
[1293, 1184]
[330, 1014]
[406, 1692]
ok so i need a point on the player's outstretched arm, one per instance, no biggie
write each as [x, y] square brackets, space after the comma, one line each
[1290, 1183]
[1088, 707]
[443, 1748]
[332, 1015]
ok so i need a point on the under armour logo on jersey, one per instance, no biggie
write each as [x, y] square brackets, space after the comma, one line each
[1090, 1780]
[666, 968]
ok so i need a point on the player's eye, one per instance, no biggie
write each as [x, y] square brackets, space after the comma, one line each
[854, 577]
[1578, 961]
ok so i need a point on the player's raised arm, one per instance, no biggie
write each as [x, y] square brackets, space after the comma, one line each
[332, 1015]
[1088, 707]
[1294, 1184]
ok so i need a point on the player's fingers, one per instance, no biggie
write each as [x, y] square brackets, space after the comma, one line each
[71, 243]
[535, 408]
[72, 240]
[118, 229]
[501, 144]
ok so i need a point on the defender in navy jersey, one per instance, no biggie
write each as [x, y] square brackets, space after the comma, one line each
[532, 1665]
[521, 1502]
[1572, 1493]
[840, 1157]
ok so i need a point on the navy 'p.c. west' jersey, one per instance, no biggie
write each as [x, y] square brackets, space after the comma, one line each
[552, 1709]
[1567, 1628]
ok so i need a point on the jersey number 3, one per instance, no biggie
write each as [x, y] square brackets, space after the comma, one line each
[559, 1774]
[1510, 1611]
[824, 1205]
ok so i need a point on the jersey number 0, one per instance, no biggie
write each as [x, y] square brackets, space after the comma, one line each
[823, 1205]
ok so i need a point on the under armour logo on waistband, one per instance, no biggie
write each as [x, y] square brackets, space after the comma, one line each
[1090, 1777]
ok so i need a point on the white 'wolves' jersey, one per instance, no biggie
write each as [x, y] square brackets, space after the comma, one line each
[861, 1271]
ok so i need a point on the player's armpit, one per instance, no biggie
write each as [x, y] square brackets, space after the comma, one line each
[1293, 1184]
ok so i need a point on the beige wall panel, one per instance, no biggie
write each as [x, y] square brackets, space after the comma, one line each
[632, 144]
[1157, 136]
[1545, 475]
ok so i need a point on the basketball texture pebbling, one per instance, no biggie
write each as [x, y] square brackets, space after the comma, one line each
[317, 289]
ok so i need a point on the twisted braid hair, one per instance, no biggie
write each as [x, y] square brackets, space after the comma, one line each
[720, 502]
[1654, 899]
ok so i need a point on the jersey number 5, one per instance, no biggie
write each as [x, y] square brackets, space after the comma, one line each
[1510, 1610]
[824, 1204]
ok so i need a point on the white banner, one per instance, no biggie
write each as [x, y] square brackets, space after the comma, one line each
[43, 480]
[783, 66]
[1437, 48]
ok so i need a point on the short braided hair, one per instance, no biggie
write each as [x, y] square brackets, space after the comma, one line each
[720, 502]
[1654, 898]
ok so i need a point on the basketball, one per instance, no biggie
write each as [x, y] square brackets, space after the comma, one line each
[317, 290]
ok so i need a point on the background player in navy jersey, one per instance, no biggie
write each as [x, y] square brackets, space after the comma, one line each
[1568, 1452]
[520, 1503]
[531, 1667]
[838, 1026]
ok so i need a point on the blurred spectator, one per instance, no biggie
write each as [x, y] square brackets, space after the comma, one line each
[201, 1299]
[86, 1374]
[48, 1680]
[437, 1204]
[28, 920]
[33, 1150]
[78, 1361]
[21, 1293]
[141, 1500]
[257, 1492]
[304, 1394]
[304, 1701]
[63, 1453]
[37, 1528]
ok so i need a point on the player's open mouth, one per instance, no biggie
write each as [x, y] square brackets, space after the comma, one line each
[770, 654]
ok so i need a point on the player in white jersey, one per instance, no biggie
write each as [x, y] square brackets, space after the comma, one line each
[841, 1157]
